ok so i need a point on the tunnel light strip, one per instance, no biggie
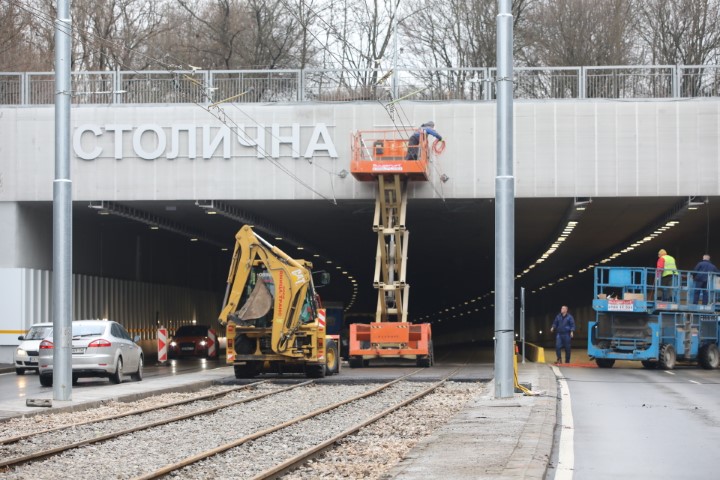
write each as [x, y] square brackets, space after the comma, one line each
[553, 248]
[569, 227]
[632, 246]
[152, 221]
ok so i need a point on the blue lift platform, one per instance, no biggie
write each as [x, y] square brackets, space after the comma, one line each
[639, 319]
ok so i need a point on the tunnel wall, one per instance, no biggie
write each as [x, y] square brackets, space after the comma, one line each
[25, 299]
[301, 151]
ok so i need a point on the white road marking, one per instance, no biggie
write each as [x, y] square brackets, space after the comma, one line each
[693, 381]
[669, 372]
[566, 453]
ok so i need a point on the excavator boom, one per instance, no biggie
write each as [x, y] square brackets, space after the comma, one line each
[272, 312]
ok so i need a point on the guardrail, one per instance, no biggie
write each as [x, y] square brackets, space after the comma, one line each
[209, 87]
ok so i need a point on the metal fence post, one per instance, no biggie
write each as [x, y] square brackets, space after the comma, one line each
[118, 86]
[301, 84]
[24, 84]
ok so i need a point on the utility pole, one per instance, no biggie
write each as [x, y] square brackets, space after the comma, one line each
[62, 211]
[504, 208]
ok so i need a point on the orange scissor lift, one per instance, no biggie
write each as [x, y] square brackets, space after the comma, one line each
[379, 156]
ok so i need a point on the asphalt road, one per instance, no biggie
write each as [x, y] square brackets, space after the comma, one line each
[635, 423]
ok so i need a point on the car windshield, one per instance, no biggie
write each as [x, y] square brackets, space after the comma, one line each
[87, 330]
[192, 331]
[38, 333]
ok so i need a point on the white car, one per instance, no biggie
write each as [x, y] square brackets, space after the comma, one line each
[100, 348]
[26, 354]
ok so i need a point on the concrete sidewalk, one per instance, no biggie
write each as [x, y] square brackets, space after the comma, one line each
[84, 397]
[492, 438]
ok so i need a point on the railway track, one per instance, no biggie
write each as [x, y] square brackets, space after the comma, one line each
[294, 422]
[137, 411]
[15, 452]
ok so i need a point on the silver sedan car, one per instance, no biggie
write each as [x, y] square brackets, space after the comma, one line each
[100, 348]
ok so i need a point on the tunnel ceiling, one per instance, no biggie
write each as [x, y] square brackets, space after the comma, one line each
[451, 247]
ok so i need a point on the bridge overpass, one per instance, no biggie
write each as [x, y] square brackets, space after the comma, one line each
[159, 190]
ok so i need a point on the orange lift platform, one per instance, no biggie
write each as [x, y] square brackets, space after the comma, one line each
[379, 156]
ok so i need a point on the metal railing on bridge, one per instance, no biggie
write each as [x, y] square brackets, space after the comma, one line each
[209, 87]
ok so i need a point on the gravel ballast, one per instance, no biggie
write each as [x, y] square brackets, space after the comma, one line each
[141, 452]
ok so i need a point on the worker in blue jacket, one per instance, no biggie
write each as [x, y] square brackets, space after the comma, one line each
[702, 271]
[414, 141]
[563, 326]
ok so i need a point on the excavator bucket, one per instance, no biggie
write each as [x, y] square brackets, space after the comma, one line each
[258, 303]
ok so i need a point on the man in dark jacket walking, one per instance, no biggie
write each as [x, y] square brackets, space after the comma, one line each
[704, 270]
[563, 326]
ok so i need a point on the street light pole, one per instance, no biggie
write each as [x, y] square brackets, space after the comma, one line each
[62, 211]
[504, 208]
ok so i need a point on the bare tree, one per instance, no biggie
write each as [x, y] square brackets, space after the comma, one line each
[362, 33]
[685, 32]
[582, 32]
[114, 33]
[20, 50]
[452, 35]
[354, 38]
[459, 33]
[234, 34]
[215, 34]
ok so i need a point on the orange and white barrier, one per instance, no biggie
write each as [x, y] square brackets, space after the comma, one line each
[230, 348]
[212, 344]
[162, 336]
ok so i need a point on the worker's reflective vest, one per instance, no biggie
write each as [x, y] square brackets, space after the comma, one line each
[669, 267]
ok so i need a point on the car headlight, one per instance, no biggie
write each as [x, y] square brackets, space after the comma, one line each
[21, 353]
[173, 344]
[203, 343]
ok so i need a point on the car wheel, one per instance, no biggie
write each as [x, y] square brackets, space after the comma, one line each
[46, 380]
[138, 376]
[20, 371]
[117, 376]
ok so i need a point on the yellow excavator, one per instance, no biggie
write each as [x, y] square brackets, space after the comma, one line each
[274, 320]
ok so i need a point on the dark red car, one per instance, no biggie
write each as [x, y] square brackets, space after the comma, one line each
[193, 341]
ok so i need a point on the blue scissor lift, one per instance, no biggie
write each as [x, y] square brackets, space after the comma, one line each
[639, 319]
